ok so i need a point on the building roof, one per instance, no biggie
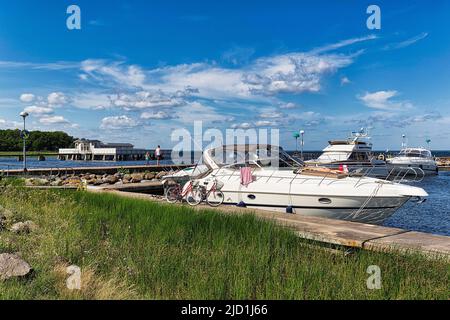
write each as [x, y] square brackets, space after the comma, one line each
[87, 140]
[107, 145]
[119, 145]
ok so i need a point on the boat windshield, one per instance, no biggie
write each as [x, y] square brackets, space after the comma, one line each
[415, 153]
[254, 156]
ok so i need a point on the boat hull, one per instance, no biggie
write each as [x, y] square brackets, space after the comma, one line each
[358, 209]
[428, 170]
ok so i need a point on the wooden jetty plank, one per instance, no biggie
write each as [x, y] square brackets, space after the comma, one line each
[66, 187]
[137, 187]
[340, 232]
[412, 241]
[346, 233]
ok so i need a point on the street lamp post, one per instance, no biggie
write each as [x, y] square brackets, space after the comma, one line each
[302, 132]
[24, 115]
[296, 135]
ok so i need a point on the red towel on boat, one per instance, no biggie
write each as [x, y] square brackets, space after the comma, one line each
[246, 176]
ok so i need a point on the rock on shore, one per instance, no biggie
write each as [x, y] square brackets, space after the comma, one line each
[11, 265]
[96, 179]
[23, 227]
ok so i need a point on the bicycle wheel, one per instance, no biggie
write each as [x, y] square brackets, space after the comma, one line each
[173, 194]
[215, 198]
[195, 196]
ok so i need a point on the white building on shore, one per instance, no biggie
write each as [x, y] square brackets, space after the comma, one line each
[96, 150]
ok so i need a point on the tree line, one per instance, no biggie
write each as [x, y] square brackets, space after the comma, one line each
[11, 140]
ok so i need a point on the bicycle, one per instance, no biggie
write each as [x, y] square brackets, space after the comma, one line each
[213, 197]
[177, 193]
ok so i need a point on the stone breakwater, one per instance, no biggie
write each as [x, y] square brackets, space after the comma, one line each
[118, 178]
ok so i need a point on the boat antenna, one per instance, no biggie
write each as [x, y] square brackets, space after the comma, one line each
[403, 141]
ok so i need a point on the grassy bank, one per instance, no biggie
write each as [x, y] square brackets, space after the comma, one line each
[136, 249]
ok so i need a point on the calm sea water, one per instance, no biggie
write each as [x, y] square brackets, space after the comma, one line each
[432, 216]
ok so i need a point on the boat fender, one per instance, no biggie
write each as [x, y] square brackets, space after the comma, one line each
[241, 205]
[290, 210]
[419, 200]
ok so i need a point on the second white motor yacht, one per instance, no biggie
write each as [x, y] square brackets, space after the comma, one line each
[418, 160]
[353, 154]
[278, 182]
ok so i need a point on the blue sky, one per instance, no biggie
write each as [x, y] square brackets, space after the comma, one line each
[139, 69]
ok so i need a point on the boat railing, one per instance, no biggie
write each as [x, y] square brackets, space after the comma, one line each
[326, 176]
[9, 166]
[49, 170]
[395, 175]
[407, 174]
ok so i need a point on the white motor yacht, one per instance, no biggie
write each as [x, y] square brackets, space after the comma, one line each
[418, 159]
[278, 182]
[354, 154]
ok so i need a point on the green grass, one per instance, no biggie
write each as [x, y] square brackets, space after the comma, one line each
[29, 153]
[137, 249]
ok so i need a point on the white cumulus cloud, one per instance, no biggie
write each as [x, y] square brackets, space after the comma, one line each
[116, 72]
[289, 105]
[38, 110]
[384, 100]
[145, 100]
[57, 98]
[52, 120]
[160, 115]
[117, 122]
[27, 97]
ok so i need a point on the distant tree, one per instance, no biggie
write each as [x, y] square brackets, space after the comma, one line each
[10, 140]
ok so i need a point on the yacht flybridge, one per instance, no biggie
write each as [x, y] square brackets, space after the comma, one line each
[354, 153]
[275, 181]
[416, 159]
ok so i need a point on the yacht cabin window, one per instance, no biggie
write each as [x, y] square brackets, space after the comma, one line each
[415, 153]
[255, 158]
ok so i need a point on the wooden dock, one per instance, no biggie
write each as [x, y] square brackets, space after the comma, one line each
[152, 187]
[93, 170]
[338, 232]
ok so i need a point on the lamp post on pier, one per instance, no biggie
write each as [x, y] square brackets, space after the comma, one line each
[296, 135]
[24, 134]
[302, 132]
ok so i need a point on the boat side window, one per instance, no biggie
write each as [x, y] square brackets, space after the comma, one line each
[425, 154]
[358, 156]
[414, 154]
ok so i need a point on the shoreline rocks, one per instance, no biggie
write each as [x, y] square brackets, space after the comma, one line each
[5, 217]
[95, 179]
[24, 227]
[12, 265]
